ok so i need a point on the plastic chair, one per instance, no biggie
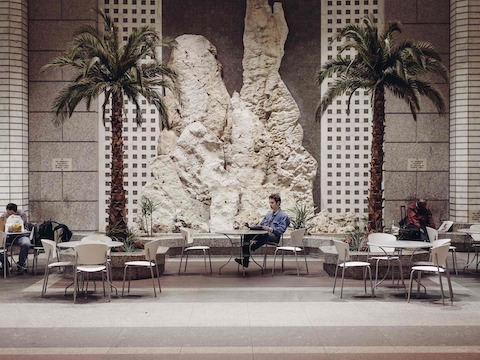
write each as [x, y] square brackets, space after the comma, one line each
[298, 246]
[439, 266]
[50, 248]
[187, 235]
[388, 253]
[433, 236]
[150, 262]
[57, 234]
[90, 258]
[344, 262]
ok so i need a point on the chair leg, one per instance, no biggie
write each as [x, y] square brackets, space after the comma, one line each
[441, 287]
[454, 261]
[210, 261]
[158, 278]
[371, 283]
[75, 284]
[205, 260]
[274, 258]
[153, 280]
[296, 262]
[306, 262]
[343, 278]
[124, 276]
[335, 280]
[45, 281]
[450, 287]
[186, 262]
[180, 266]
[410, 285]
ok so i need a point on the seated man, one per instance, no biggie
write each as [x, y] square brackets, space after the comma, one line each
[419, 215]
[21, 239]
[275, 222]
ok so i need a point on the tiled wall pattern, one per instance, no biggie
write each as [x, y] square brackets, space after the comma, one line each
[465, 111]
[140, 143]
[345, 139]
[14, 103]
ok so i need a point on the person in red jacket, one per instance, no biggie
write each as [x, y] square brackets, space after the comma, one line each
[419, 214]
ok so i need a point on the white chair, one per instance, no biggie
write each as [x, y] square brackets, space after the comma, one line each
[187, 235]
[386, 254]
[50, 248]
[298, 246]
[439, 266]
[90, 258]
[344, 262]
[433, 236]
[57, 234]
[150, 262]
[101, 238]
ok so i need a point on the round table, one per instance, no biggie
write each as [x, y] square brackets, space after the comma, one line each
[241, 233]
[72, 244]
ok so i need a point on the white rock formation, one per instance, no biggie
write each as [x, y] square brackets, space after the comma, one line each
[224, 155]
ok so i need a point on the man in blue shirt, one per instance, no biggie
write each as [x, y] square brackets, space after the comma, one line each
[275, 222]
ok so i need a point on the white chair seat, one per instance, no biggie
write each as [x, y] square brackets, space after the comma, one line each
[60, 264]
[140, 263]
[199, 247]
[91, 268]
[354, 263]
[289, 248]
[428, 268]
[384, 258]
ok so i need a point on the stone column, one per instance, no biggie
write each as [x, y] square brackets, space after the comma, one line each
[465, 111]
[13, 103]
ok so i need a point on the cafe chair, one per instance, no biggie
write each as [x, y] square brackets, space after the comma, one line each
[439, 266]
[386, 253]
[187, 235]
[57, 235]
[150, 262]
[343, 261]
[297, 247]
[90, 258]
[433, 236]
[50, 248]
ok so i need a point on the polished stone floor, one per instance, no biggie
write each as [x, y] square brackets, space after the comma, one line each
[229, 316]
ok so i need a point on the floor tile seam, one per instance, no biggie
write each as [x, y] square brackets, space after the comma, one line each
[242, 350]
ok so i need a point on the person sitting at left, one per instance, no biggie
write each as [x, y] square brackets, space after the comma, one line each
[21, 240]
[274, 223]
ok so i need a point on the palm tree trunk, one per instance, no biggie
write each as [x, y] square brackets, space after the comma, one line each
[117, 209]
[375, 198]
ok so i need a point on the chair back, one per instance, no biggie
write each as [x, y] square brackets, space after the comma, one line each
[297, 237]
[91, 254]
[57, 235]
[432, 234]
[343, 250]
[49, 247]
[3, 239]
[381, 237]
[187, 235]
[97, 238]
[441, 242]
[475, 237]
[151, 250]
[439, 255]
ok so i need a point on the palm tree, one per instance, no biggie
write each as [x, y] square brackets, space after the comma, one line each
[377, 66]
[105, 66]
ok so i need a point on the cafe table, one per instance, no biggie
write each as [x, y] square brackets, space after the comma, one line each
[475, 245]
[233, 236]
[400, 245]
